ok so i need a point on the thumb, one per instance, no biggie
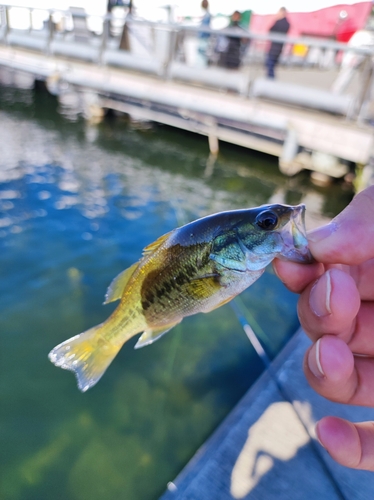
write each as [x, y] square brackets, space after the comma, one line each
[349, 237]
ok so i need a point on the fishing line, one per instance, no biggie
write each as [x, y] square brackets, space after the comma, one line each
[260, 351]
[262, 354]
[260, 333]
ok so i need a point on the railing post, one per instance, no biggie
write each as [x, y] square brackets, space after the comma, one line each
[171, 51]
[104, 38]
[50, 33]
[2, 18]
[365, 88]
[7, 29]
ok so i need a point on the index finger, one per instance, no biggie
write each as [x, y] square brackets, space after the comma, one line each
[348, 238]
[297, 276]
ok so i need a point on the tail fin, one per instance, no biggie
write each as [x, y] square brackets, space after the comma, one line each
[88, 355]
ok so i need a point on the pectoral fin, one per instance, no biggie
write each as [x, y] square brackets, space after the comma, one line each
[219, 305]
[204, 287]
[117, 286]
[151, 335]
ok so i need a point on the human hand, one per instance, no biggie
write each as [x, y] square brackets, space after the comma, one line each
[336, 310]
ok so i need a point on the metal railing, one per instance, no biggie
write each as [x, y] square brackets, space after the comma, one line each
[312, 72]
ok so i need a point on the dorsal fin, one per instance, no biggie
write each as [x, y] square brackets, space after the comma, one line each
[156, 244]
[117, 286]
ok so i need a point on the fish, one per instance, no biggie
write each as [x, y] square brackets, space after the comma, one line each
[195, 268]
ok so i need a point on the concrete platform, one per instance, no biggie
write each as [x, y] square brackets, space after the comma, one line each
[266, 449]
[273, 128]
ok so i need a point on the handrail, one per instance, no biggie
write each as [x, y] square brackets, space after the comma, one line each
[243, 33]
[168, 67]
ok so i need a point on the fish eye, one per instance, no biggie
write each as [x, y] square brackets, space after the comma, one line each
[267, 220]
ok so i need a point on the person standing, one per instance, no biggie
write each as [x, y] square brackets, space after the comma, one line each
[204, 37]
[233, 54]
[281, 25]
[230, 53]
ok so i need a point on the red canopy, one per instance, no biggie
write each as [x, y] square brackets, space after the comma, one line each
[326, 23]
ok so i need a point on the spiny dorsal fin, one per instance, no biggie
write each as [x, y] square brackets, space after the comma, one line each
[156, 244]
[117, 286]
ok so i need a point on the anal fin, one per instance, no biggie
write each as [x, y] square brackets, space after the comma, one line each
[151, 335]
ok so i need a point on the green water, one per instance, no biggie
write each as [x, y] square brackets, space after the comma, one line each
[77, 205]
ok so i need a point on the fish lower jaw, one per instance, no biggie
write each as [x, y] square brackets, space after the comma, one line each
[299, 255]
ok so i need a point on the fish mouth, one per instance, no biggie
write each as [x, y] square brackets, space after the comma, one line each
[294, 238]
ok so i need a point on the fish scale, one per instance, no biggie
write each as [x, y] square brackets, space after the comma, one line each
[195, 268]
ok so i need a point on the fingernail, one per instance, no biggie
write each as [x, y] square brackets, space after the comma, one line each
[321, 233]
[318, 435]
[314, 360]
[320, 294]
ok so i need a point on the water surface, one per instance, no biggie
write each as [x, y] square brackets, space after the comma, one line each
[78, 203]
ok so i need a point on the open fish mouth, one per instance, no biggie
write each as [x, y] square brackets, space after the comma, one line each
[294, 238]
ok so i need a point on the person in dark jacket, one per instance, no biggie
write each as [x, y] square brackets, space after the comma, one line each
[230, 55]
[281, 25]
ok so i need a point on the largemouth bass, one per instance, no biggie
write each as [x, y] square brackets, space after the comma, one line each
[195, 268]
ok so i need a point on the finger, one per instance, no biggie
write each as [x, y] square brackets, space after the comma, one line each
[330, 305]
[336, 374]
[351, 445]
[296, 276]
[348, 238]
[364, 278]
[361, 340]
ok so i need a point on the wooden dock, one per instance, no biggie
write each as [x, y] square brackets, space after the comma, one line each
[305, 127]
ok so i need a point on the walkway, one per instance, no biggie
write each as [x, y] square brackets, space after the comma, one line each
[274, 128]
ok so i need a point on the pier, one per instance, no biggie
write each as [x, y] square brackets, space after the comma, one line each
[152, 72]
[267, 446]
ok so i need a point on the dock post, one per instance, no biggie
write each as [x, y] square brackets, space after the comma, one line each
[365, 176]
[290, 149]
[211, 130]
[213, 144]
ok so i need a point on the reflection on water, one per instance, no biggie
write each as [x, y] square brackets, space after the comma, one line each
[77, 205]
